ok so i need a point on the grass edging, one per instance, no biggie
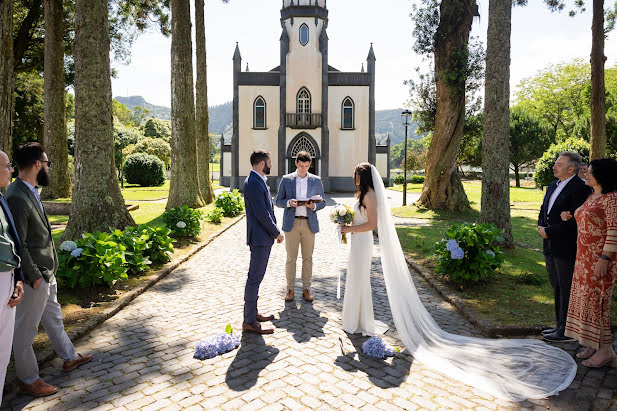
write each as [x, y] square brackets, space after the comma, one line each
[78, 331]
[486, 327]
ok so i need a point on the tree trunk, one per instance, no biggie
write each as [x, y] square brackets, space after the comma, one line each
[55, 140]
[598, 98]
[201, 103]
[443, 188]
[184, 186]
[6, 76]
[517, 176]
[495, 205]
[97, 201]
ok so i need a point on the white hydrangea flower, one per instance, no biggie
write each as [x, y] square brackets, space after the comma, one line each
[181, 224]
[341, 210]
[68, 246]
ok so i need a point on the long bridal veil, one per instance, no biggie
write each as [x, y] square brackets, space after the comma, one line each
[509, 369]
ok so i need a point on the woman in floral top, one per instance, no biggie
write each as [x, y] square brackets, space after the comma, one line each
[596, 267]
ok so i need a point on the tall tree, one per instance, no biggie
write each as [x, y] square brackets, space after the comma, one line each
[443, 188]
[495, 202]
[6, 75]
[184, 185]
[201, 105]
[529, 139]
[97, 201]
[54, 106]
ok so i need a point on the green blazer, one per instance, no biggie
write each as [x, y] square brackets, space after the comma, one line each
[38, 254]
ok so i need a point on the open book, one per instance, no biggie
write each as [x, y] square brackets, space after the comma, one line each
[315, 199]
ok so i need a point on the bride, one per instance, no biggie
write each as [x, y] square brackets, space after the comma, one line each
[514, 370]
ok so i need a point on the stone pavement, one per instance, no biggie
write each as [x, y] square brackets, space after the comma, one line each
[144, 354]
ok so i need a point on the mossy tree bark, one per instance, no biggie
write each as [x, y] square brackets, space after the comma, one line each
[184, 185]
[201, 105]
[55, 139]
[6, 76]
[495, 135]
[97, 200]
[598, 97]
[443, 188]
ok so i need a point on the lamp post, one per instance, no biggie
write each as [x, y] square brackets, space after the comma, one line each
[405, 116]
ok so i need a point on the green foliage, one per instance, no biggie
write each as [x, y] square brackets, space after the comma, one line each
[135, 245]
[482, 256]
[28, 108]
[183, 221]
[216, 215]
[399, 179]
[158, 128]
[230, 202]
[531, 278]
[544, 168]
[471, 144]
[415, 179]
[144, 169]
[101, 261]
[529, 139]
[156, 147]
[158, 243]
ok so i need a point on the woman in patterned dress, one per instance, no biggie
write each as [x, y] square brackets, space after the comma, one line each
[596, 267]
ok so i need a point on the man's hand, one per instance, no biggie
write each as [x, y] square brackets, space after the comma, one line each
[601, 268]
[293, 203]
[565, 215]
[542, 233]
[310, 204]
[280, 238]
[18, 293]
[37, 283]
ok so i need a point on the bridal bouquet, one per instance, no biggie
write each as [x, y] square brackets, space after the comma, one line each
[377, 348]
[342, 215]
[221, 343]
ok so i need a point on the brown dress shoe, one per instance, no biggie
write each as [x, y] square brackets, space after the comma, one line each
[306, 294]
[290, 295]
[264, 318]
[81, 359]
[256, 328]
[38, 388]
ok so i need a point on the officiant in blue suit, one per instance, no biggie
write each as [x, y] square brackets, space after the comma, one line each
[261, 231]
[301, 194]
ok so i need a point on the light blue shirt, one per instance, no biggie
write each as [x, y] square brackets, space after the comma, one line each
[35, 191]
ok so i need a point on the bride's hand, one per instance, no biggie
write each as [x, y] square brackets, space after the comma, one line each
[345, 229]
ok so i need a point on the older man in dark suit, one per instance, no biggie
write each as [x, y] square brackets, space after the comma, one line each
[261, 231]
[567, 193]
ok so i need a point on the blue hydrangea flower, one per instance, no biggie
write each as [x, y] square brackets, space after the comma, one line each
[457, 254]
[68, 246]
[76, 252]
[491, 253]
[226, 342]
[218, 344]
[206, 349]
[377, 348]
[451, 245]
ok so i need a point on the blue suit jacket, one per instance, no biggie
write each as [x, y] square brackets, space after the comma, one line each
[261, 229]
[13, 231]
[287, 191]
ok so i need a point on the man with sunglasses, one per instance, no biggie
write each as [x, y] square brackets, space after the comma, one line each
[39, 263]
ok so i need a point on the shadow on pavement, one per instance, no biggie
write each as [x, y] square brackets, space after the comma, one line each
[253, 356]
[303, 322]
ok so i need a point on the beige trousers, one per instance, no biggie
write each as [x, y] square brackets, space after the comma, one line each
[300, 235]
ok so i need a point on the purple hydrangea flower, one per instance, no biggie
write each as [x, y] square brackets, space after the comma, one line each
[377, 348]
[76, 252]
[206, 349]
[68, 245]
[457, 254]
[218, 344]
[451, 245]
[491, 253]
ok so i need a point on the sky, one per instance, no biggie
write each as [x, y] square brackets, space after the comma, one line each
[539, 38]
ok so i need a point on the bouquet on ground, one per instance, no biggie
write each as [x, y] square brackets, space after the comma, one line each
[220, 343]
[377, 348]
[342, 215]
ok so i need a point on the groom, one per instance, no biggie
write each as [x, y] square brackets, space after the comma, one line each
[261, 231]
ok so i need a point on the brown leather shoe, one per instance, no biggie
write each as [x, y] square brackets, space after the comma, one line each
[290, 295]
[306, 294]
[256, 328]
[81, 359]
[38, 388]
[264, 318]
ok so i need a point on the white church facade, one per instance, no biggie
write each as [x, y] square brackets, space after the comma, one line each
[304, 104]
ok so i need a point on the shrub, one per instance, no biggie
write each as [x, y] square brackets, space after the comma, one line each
[135, 244]
[160, 248]
[231, 202]
[215, 216]
[144, 169]
[399, 179]
[183, 221]
[93, 259]
[155, 147]
[415, 179]
[469, 253]
[158, 128]
[544, 168]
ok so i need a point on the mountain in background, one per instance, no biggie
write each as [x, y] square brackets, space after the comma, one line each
[387, 122]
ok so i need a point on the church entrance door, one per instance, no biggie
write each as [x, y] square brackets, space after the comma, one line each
[302, 142]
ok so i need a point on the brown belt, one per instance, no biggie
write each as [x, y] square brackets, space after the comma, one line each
[301, 217]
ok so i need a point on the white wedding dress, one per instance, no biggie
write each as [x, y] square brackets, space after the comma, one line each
[511, 369]
[358, 302]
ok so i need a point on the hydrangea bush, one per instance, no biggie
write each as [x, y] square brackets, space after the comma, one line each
[469, 252]
[183, 221]
[230, 202]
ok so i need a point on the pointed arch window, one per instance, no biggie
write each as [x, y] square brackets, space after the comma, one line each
[304, 107]
[259, 113]
[304, 34]
[347, 114]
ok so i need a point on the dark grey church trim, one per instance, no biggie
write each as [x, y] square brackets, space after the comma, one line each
[325, 131]
[235, 139]
[349, 79]
[370, 63]
[386, 150]
[284, 40]
[304, 11]
[342, 184]
[255, 78]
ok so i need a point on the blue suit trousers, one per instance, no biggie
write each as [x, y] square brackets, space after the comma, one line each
[257, 270]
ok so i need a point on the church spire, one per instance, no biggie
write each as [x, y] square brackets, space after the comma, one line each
[371, 54]
[237, 53]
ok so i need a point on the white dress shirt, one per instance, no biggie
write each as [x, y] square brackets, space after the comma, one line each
[558, 190]
[301, 193]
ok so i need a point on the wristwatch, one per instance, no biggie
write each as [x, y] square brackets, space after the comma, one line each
[605, 257]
